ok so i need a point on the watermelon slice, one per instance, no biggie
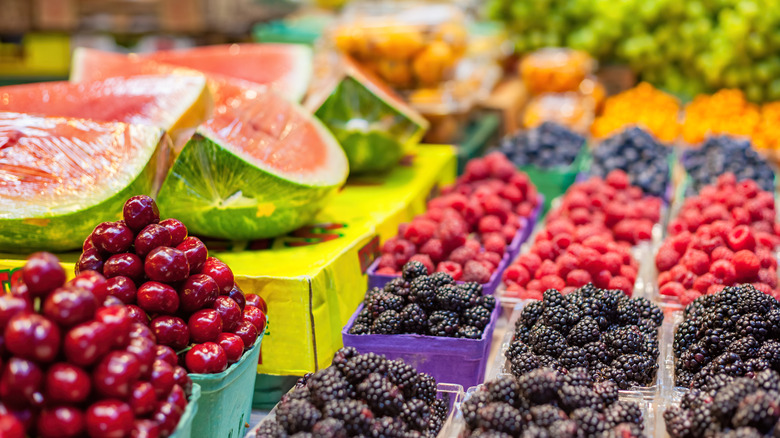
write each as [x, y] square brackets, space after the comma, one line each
[178, 104]
[61, 176]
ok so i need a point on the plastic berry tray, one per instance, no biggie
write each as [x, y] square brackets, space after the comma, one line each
[453, 360]
[184, 428]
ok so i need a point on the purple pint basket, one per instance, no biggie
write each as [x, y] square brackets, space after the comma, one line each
[513, 249]
[449, 360]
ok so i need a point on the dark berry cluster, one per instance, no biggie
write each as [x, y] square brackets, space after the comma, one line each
[549, 403]
[735, 407]
[733, 333]
[546, 146]
[601, 333]
[724, 154]
[360, 395]
[425, 304]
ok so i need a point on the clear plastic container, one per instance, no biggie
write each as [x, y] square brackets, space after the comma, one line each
[555, 70]
[571, 109]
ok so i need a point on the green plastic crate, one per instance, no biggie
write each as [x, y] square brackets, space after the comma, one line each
[480, 132]
[269, 390]
[184, 429]
[552, 183]
[226, 398]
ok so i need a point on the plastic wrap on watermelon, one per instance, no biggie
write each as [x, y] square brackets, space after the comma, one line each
[374, 125]
[59, 177]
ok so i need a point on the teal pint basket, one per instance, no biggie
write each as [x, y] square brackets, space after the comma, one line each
[226, 398]
[184, 428]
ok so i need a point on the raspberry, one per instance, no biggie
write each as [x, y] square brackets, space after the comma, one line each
[489, 256]
[489, 224]
[629, 272]
[531, 261]
[433, 249]
[566, 263]
[463, 254]
[494, 242]
[509, 232]
[612, 262]
[456, 201]
[452, 233]
[722, 253]
[552, 282]
[528, 294]
[517, 274]
[746, 265]
[768, 276]
[741, 238]
[715, 288]
[535, 285]
[512, 194]
[590, 260]
[724, 271]
[494, 205]
[387, 261]
[475, 271]
[562, 241]
[682, 275]
[677, 226]
[703, 283]
[473, 244]
[688, 296]
[402, 250]
[387, 271]
[545, 250]
[666, 258]
[618, 179]
[664, 277]
[420, 231]
[580, 216]
[696, 261]
[766, 240]
[548, 267]
[521, 181]
[596, 243]
[524, 209]
[476, 170]
[578, 278]
[621, 283]
[602, 279]
[715, 212]
[740, 216]
[672, 289]
[763, 287]
[473, 212]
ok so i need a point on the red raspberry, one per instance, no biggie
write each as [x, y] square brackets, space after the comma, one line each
[721, 228]
[389, 245]
[548, 267]
[452, 233]
[512, 194]
[420, 231]
[456, 201]
[476, 170]
[766, 240]
[489, 256]
[622, 283]
[531, 261]
[476, 271]
[425, 260]
[703, 283]
[666, 258]
[722, 253]
[724, 271]
[488, 265]
[402, 250]
[664, 277]
[768, 276]
[433, 249]
[643, 230]
[473, 244]
[618, 179]
[535, 285]
[612, 262]
[473, 212]
[741, 238]
[517, 274]
[746, 266]
[509, 232]
[677, 226]
[494, 242]
[625, 230]
[402, 228]
[543, 236]
[715, 288]
[387, 261]
[489, 224]
[566, 263]
[682, 275]
[532, 295]
[767, 258]
[463, 254]
[566, 290]
[628, 272]
[552, 282]
[452, 268]
[434, 214]
[696, 261]
[692, 218]
[493, 204]
[763, 287]
[562, 241]
[590, 260]
[578, 278]
[545, 250]
[524, 209]
[386, 271]
[580, 216]
[688, 296]
[602, 279]
[727, 180]
[715, 212]
[596, 243]
[672, 289]
[521, 181]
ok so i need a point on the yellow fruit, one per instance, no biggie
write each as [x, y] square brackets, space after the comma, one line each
[397, 42]
[431, 64]
[353, 40]
[454, 34]
[395, 72]
[426, 96]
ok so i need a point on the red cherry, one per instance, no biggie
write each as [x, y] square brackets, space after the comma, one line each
[11, 306]
[178, 398]
[66, 383]
[167, 416]
[162, 378]
[198, 292]
[233, 346]
[145, 429]
[21, 383]
[229, 312]
[116, 373]
[123, 288]
[90, 260]
[93, 282]
[85, 343]
[183, 379]
[87, 245]
[142, 399]
[112, 301]
[257, 301]
[170, 331]
[118, 321]
[247, 332]
[151, 237]
[19, 290]
[208, 358]
[113, 237]
[141, 331]
[109, 419]
[220, 272]
[32, 336]
[10, 427]
[166, 265]
[144, 350]
[42, 273]
[238, 296]
[166, 354]
[125, 264]
[156, 297]
[256, 317]
[205, 326]
[140, 211]
[137, 314]
[196, 253]
[177, 229]
[26, 415]
[61, 422]
[68, 306]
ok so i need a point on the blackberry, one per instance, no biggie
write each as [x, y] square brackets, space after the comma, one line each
[694, 358]
[505, 390]
[771, 352]
[488, 302]
[578, 377]
[388, 323]
[369, 296]
[360, 329]
[470, 407]
[740, 432]
[759, 410]
[564, 429]
[297, 393]
[607, 390]
[623, 412]
[726, 401]
[648, 310]
[396, 286]
[547, 341]
[685, 336]
[540, 386]
[471, 292]
[754, 325]
[329, 428]
[522, 334]
[716, 340]
[357, 368]
[639, 370]
[449, 298]
[523, 363]
[589, 421]
[388, 427]
[574, 357]
[401, 374]
[329, 384]
[441, 407]
[515, 348]
[342, 356]
[598, 351]
[434, 425]
[531, 313]
[768, 380]
[441, 279]
[532, 431]
[647, 326]
[745, 348]
[628, 312]
[624, 340]
[697, 308]
[271, 429]
[624, 430]
[546, 415]
[611, 301]
[650, 346]
[354, 414]
[415, 414]
[552, 298]
[302, 381]
[424, 388]
[584, 332]
[561, 318]
[574, 397]
[469, 332]
[382, 396]
[297, 416]
[729, 364]
[423, 292]
[443, 323]
[413, 270]
[478, 316]
[413, 319]
[384, 301]
[773, 320]
[756, 364]
[302, 435]
[678, 422]
[364, 317]
[500, 417]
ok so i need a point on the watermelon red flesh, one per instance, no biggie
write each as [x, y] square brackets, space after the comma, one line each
[60, 177]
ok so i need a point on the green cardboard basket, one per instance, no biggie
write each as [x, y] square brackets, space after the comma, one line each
[226, 398]
[479, 133]
[553, 182]
[184, 428]
[269, 390]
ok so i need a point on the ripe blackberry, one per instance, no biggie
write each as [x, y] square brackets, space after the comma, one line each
[741, 432]
[574, 397]
[590, 422]
[746, 348]
[413, 270]
[574, 357]
[329, 384]
[297, 416]
[578, 377]
[424, 388]
[678, 422]
[388, 427]
[746, 299]
[647, 326]
[477, 316]
[341, 357]
[755, 365]
[694, 358]
[360, 329]
[297, 393]
[401, 374]
[441, 278]
[546, 341]
[515, 348]
[546, 415]
[271, 429]
[540, 386]
[623, 412]
[469, 332]
[471, 293]
[628, 312]
[561, 318]
[625, 430]
[752, 324]
[329, 428]
[771, 352]
[441, 407]
[388, 323]
[584, 332]
[768, 380]
[773, 318]
[611, 301]
[384, 301]
[598, 351]
[639, 370]
[443, 323]
[531, 313]
[648, 310]
[396, 286]
[449, 297]
[650, 346]
[698, 306]
[354, 414]
[523, 363]
[624, 340]
[413, 319]
[415, 414]
[532, 431]
[423, 292]
[726, 401]
[369, 296]
[488, 302]
[729, 364]
[685, 335]
[383, 397]
[505, 390]
[552, 298]
[759, 410]
[500, 417]
[357, 368]
[607, 390]
[365, 317]
[470, 407]
[564, 429]
[522, 334]
[716, 340]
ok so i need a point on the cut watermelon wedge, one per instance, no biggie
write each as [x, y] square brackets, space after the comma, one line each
[285, 68]
[177, 104]
[60, 176]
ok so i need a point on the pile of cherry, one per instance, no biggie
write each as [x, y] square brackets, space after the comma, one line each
[465, 232]
[723, 237]
[587, 239]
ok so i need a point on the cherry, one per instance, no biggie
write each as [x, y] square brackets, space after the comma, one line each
[229, 312]
[233, 346]
[144, 350]
[115, 374]
[109, 419]
[167, 416]
[66, 383]
[11, 306]
[166, 265]
[162, 378]
[151, 237]
[178, 398]
[256, 317]
[220, 272]
[238, 296]
[257, 301]
[142, 398]
[90, 260]
[156, 297]
[87, 245]
[198, 292]
[137, 314]
[85, 343]
[205, 326]
[140, 211]
[125, 264]
[32, 336]
[25, 415]
[141, 331]
[207, 358]
[113, 237]
[195, 251]
[118, 321]
[112, 301]
[145, 429]
[21, 383]
[122, 288]
[247, 332]
[69, 305]
[10, 427]
[166, 354]
[93, 282]
[61, 422]
[183, 379]
[42, 273]
[171, 331]
[177, 229]
[19, 290]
